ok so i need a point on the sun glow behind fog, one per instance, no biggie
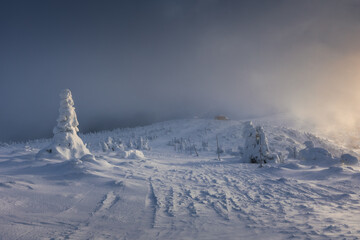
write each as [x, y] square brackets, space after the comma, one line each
[332, 104]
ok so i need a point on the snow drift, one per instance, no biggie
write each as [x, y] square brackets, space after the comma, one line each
[180, 190]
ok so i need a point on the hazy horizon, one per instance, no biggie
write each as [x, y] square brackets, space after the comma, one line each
[131, 63]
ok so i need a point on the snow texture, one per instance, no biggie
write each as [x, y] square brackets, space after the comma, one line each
[348, 159]
[182, 194]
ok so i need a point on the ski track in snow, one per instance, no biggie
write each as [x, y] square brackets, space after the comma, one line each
[151, 205]
[175, 195]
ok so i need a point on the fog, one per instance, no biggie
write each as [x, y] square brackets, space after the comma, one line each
[131, 63]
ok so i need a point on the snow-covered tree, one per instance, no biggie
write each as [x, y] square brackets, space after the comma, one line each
[316, 155]
[112, 145]
[256, 149]
[293, 152]
[142, 144]
[66, 144]
[67, 120]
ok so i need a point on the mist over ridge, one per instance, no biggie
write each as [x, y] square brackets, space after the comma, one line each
[132, 63]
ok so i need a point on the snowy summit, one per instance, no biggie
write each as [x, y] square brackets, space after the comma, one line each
[164, 181]
[267, 147]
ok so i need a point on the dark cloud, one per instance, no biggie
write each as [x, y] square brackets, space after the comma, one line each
[134, 62]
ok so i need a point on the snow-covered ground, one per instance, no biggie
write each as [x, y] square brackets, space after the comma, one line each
[178, 189]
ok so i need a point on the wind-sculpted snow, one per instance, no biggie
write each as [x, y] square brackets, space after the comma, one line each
[175, 192]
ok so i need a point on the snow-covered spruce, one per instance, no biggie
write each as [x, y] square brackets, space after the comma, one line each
[256, 145]
[66, 144]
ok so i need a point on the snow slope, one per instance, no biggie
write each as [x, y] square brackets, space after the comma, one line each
[171, 193]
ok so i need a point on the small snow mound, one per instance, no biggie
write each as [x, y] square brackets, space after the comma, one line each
[131, 154]
[349, 159]
[293, 166]
[356, 176]
[282, 180]
[335, 170]
[88, 158]
[332, 228]
[317, 155]
[329, 172]
[70, 169]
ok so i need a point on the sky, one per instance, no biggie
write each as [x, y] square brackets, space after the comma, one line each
[132, 63]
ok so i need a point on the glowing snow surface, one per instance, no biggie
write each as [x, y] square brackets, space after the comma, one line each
[172, 193]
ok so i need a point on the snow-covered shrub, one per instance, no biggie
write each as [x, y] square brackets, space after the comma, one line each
[131, 144]
[131, 154]
[142, 144]
[151, 137]
[349, 159]
[281, 157]
[184, 145]
[179, 144]
[172, 142]
[272, 157]
[66, 144]
[256, 145]
[316, 155]
[112, 145]
[104, 146]
[293, 153]
[88, 158]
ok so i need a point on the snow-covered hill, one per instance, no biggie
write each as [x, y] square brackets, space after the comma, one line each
[164, 181]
